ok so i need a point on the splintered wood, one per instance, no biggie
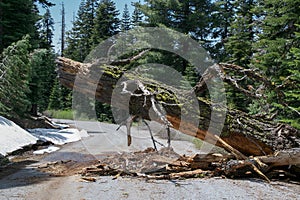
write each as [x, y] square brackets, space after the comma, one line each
[166, 164]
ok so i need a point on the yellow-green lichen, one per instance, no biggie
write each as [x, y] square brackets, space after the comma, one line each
[112, 71]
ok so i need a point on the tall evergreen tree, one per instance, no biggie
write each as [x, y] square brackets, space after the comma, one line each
[79, 42]
[186, 16]
[126, 21]
[14, 87]
[46, 29]
[106, 25]
[239, 47]
[17, 18]
[106, 21]
[41, 79]
[45, 3]
[291, 85]
[223, 13]
[55, 98]
[137, 15]
[242, 34]
[191, 17]
[276, 53]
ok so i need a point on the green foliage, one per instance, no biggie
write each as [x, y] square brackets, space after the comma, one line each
[137, 15]
[239, 44]
[18, 18]
[45, 3]
[46, 29]
[187, 16]
[41, 79]
[26, 72]
[221, 19]
[60, 114]
[106, 21]
[95, 22]
[278, 54]
[103, 112]
[14, 87]
[55, 98]
[79, 38]
[126, 21]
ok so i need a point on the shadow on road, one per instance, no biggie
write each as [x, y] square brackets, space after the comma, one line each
[20, 174]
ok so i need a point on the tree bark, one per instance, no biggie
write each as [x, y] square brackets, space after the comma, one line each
[251, 135]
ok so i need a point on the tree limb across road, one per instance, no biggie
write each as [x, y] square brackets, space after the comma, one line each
[249, 135]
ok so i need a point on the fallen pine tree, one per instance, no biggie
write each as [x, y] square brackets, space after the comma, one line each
[241, 135]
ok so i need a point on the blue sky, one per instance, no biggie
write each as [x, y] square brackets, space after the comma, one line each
[71, 8]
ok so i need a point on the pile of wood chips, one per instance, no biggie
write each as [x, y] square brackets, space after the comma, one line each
[167, 164]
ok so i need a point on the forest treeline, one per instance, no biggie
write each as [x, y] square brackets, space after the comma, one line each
[254, 34]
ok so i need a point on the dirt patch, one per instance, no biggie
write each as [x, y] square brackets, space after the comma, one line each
[65, 168]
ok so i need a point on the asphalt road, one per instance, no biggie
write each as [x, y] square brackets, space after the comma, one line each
[29, 183]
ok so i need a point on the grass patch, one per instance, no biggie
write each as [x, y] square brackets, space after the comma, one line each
[60, 114]
[198, 143]
[67, 114]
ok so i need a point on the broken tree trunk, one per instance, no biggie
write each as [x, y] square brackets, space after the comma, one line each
[250, 135]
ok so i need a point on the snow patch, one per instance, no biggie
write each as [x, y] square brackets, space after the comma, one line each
[50, 149]
[13, 137]
[59, 137]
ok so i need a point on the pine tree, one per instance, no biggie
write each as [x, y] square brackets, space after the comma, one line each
[125, 22]
[242, 32]
[14, 87]
[63, 30]
[191, 17]
[137, 15]
[187, 16]
[239, 47]
[55, 101]
[223, 13]
[276, 54]
[291, 85]
[18, 18]
[45, 3]
[106, 21]
[79, 39]
[41, 79]
[46, 29]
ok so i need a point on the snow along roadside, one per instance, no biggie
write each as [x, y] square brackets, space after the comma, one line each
[13, 137]
[57, 137]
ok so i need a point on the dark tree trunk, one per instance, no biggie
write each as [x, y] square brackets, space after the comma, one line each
[34, 110]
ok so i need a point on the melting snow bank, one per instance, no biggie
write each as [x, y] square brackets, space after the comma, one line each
[59, 137]
[50, 149]
[13, 137]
